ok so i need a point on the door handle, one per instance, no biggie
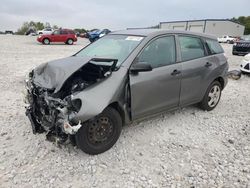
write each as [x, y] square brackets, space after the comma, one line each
[175, 72]
[208, 64]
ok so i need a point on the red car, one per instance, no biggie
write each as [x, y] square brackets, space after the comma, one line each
[62, 35]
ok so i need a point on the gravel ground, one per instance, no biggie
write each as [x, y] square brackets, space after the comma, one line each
[184, 148]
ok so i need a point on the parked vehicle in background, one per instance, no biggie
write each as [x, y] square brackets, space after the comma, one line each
[245, 64]
[9, 32]
[83, 35]
[227, 39]
[45, 31]
[242, 47]
[96, 34]
[61, 35]
[123, 77]
[31, 31]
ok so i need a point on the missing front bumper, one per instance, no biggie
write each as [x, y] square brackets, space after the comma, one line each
[49, 114]
[36, 128]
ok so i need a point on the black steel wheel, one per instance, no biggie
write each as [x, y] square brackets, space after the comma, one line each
[101, 133]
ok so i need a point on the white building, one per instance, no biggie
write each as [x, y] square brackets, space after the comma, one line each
[217, 27]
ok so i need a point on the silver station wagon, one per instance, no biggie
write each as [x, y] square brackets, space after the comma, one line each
[125, 76]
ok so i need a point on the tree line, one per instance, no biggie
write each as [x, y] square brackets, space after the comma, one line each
[40, 26]
[35, 26]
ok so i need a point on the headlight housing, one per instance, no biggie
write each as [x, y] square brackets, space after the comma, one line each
[246, 57]
[76, 105]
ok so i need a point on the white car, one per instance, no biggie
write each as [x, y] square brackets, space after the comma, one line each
[45, 31]
[245, 64]
[226, 39]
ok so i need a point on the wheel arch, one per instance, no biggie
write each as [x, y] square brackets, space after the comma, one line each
[221, 81]
[119, 109]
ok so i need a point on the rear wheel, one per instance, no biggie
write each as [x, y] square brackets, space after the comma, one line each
[46, 41]
[70, 41]
[212, 96]
[101, 133]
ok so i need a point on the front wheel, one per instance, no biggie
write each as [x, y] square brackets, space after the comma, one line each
[212, 96]
[101, 133]
[46, 41]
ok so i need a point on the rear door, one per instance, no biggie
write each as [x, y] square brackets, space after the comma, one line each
[159, 89]
[196, 66]
[63, 35]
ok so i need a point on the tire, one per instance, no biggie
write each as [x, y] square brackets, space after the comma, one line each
[234, 74]
[245, 73]
[235, 53]
[209, 103]
[90, 138]
[91, 40]
[46, 41]
[70, 41]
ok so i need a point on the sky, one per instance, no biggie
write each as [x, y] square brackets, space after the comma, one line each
[115, 14]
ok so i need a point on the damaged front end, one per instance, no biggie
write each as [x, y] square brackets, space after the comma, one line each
[49, 114]
[52, 110]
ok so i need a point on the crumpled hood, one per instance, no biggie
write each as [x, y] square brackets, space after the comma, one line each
[53, 74]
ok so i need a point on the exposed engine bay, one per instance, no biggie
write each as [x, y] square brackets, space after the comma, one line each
[52, 111]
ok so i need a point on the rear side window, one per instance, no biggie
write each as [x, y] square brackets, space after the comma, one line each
[191, 48]
[64, 32]
[71, 32]
[160, 52]
[214, 47]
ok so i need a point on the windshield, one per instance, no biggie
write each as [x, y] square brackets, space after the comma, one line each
[112, 46]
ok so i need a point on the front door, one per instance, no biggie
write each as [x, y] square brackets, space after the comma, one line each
[55, 37]
[159, 89]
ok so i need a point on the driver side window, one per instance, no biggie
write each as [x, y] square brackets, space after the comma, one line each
[159, 52]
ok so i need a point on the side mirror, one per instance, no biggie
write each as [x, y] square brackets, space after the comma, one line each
[140, 67]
